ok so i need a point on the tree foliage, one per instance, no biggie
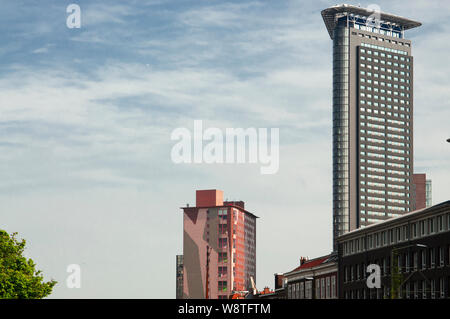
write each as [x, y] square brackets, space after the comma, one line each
[19, 278]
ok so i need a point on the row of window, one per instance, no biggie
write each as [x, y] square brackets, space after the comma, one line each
[386, 77]
[383, 185]
[372, 216]
[385, 120]
[382, 83]
[382, 171]
[382, 69]
[403, 109]
[421, 228]
[384, 178]
[369, 95]
[383, 145]
[382, 135]
[379, 162]
[384, 62]
[376, 89]
[382, 54]
[412, 290]
[389, 200]
[383, 98]
[383, 213]
[383, 127]
[424, 259]
[382, 31]
[325, 288]
[375, 192]
[384, 148]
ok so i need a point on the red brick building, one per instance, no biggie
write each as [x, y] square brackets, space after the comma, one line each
[422, 191]
[219, 247]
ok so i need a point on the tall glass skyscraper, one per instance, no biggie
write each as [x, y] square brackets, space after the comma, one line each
[372, 116]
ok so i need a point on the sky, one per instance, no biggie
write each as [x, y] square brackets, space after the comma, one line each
[86, 116]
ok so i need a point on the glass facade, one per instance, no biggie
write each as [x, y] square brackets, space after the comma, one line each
[341, 130]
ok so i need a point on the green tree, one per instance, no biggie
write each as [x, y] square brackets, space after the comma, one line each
[18, 277]
[396, 277]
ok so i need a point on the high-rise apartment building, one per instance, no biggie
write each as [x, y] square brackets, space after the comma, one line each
[372, 116]
[219, 247]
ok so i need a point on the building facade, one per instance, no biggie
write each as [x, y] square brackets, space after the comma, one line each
[422, 191]
[372, 116]
[412, 251]
[313, 279]
[179, 277]
[219, 247]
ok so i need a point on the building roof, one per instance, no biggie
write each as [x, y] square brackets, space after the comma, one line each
[315, 262]
[329, 17]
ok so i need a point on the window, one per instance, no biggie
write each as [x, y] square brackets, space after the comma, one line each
[222, 228]
[222, 285]
[432, 257]
[222, 271]
[424, 289]
[416, 290]
[328, 288]
[223, 243]
[223, 258]
[318, 287]
[308, 289]
[431, 227]
[422, 227]
[424, 259]
[302, 290]
[333, 287]
[433, 289]
[415, 261]
[322, 288]
[407, 262]
[440, 223]
[414, 230]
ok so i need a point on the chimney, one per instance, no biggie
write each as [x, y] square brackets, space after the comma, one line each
[303, 260]
[279, 281]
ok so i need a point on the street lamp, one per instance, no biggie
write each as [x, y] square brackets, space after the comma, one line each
[395, 290]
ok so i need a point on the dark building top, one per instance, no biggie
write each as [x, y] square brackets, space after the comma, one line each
[439, 209]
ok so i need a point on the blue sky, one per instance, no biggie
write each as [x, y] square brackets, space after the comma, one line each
[86, 116]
